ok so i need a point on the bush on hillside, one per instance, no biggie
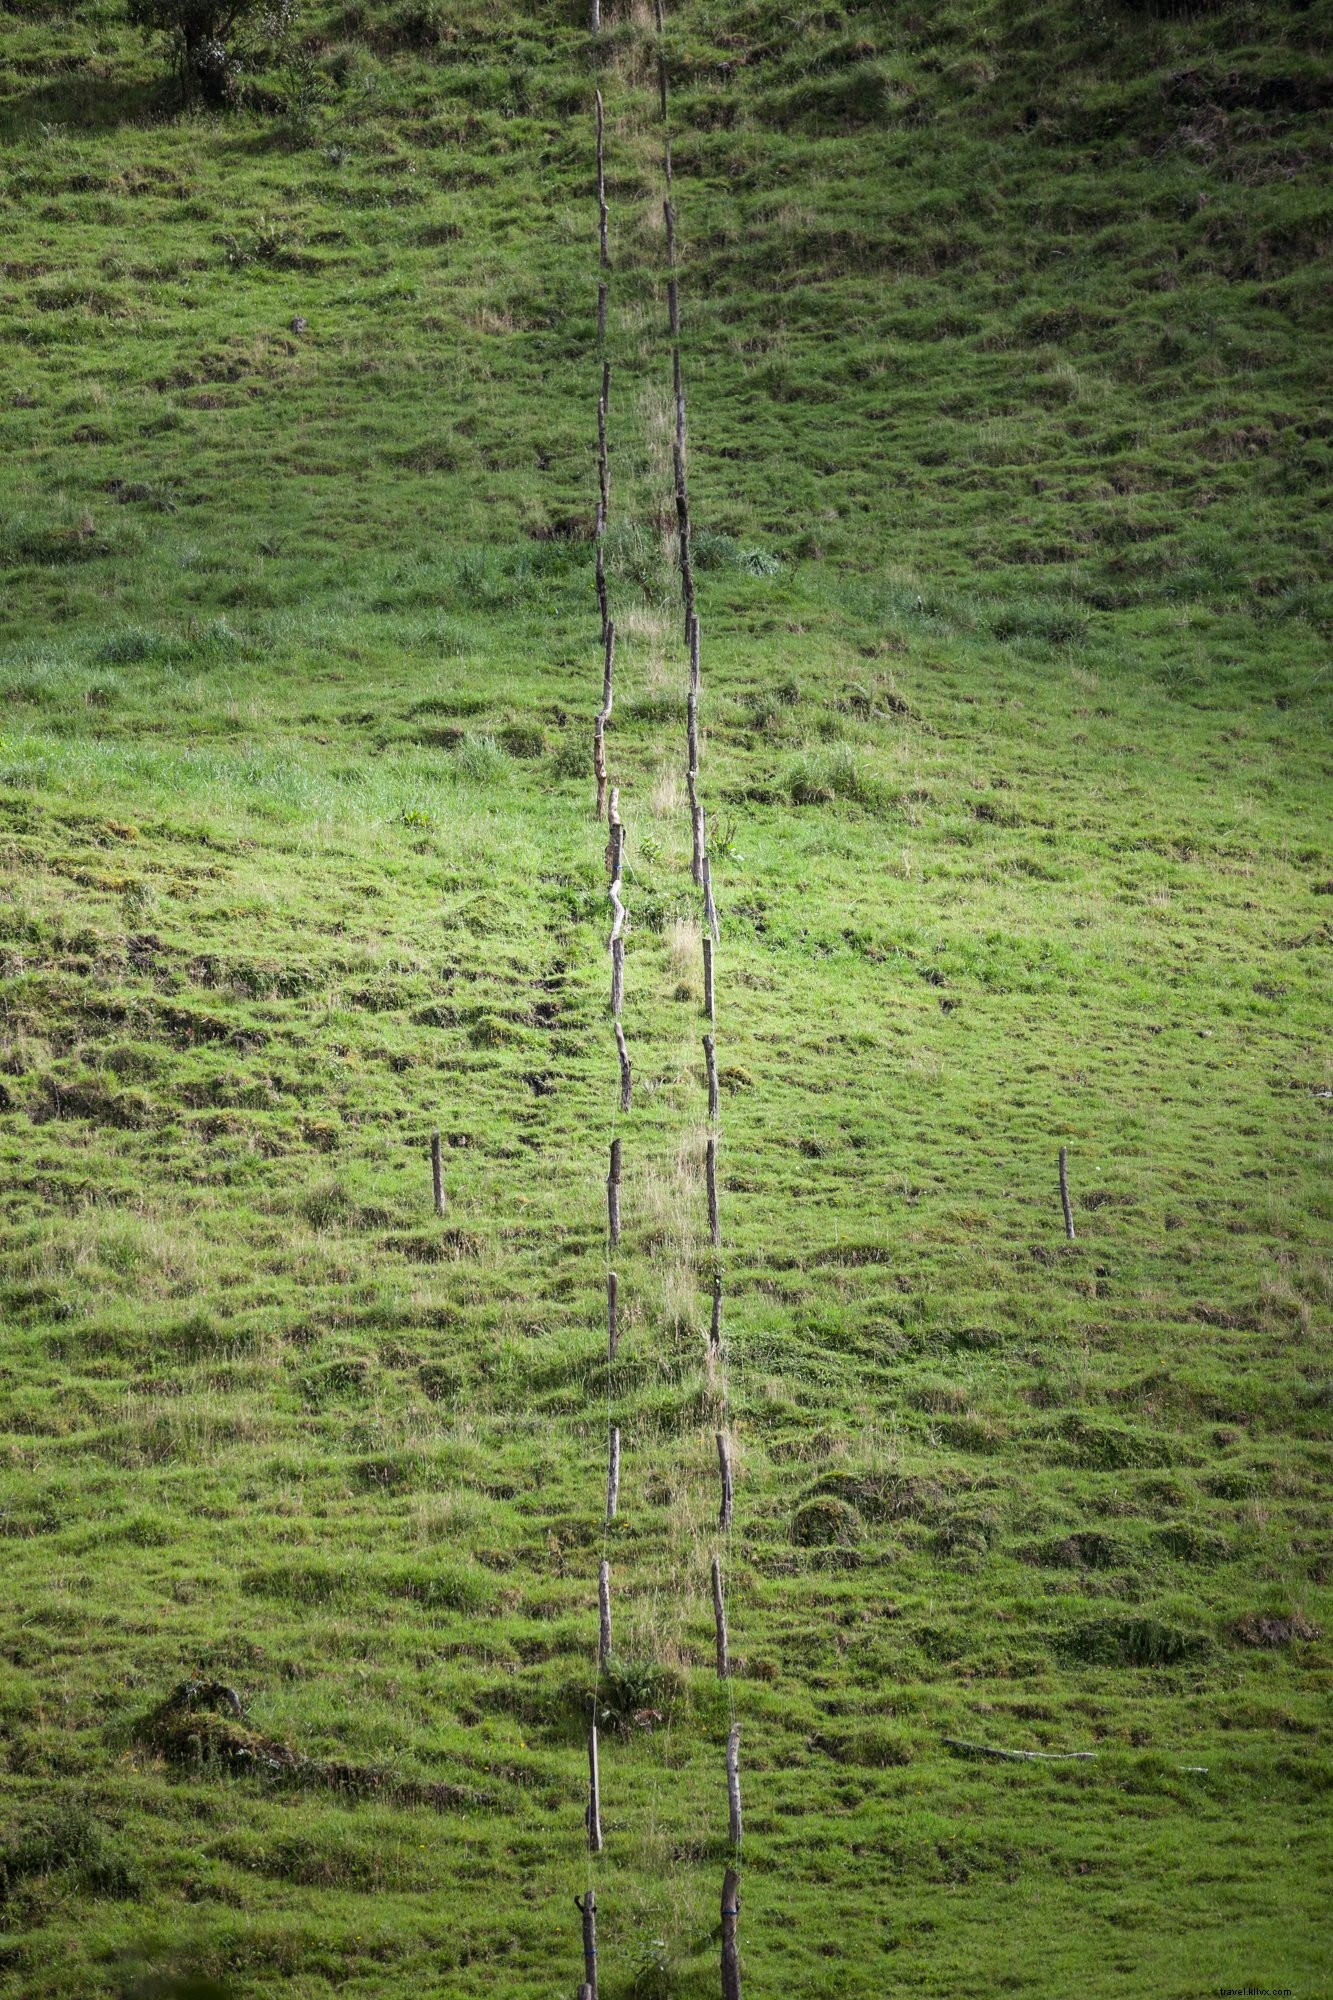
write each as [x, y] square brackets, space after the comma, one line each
[212, 43]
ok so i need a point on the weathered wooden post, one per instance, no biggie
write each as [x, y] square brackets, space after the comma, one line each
[613, 1474]
[709, 996]
[612, 1314]
[604, 1614]
[714, 1222]
[734, 1784]
[710, 1063]
[710, 908]
[715, 1327]
[731, 1910]
[626, 1073]
[603, 716]
[724, 1467]
[613, 1193]
[437, 1172]
[1064, 1193]
[594, 1794]
[587, 1909]
[720, 1621]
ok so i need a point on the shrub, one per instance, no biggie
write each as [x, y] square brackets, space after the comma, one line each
[207, 40]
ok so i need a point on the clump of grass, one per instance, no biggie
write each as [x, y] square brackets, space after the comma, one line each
[829, 777]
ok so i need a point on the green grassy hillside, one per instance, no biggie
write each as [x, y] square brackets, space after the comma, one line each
[1006, 333]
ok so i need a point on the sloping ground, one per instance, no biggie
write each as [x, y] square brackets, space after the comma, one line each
[1005, 332]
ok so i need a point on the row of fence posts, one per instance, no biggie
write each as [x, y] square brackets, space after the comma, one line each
[607, 804]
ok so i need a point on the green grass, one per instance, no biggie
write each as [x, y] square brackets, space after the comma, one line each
[1006, 334]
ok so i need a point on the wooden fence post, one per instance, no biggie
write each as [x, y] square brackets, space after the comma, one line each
[710, 907]
[731, 1910]
[618, 1003]
[724, 1467]
[734, 1784]
[587, 1909]
[698, 846]
[602, 718]
[626, 1073]
[604, 1614]
[612, 1474]
[613, 1193]
[594, 1794]
[715, 1327]
[710, 1063]
[720, 1621]
[709, 996]
[714, 1223]
[437, 1172]
[612, 1314]
[1064, 1193]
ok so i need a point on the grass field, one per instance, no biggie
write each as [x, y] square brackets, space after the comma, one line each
[1006, 334]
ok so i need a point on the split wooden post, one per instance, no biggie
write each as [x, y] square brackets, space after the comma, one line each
[731, 1910]
[612, 1314]
[724, 1467]
[612, 1474]
[710, 1062]
[720, 1621]
[1064, 1193]
[626, 1073]
[709, 996]
[604, 1614]
[715, 1327]
[594, 1794]
[437, 1172]
[587, 1909]
[714, 1222]
[734, 1784]
[613, 1193]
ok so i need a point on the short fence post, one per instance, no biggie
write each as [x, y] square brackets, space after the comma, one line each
[720, 1621]
[604, 1614]
[734, 1784]
[613, 1474]
[1064, 1193]
[731, 1910]
[724, 1467]
[613, 1193]
[437, 1172]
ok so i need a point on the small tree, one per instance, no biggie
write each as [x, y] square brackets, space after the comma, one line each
[213, 42]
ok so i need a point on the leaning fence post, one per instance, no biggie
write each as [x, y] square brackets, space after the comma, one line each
[731, 1910]
[1064, 1193]
[437, 1172]
[613, 1193]
[604, 1614]
[720, 1621]
[612, 1474]
[714, 1224]
[709, 996]
[594, 1794]
[734, 1784]
[612, 1314]
[587, 1909]
[724, 1467]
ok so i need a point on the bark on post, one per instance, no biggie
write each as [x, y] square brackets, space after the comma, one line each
[715, 1328]
[709, 1007]
[612, 1315]
[594, 1794]
[710, 1062]
[724, 1467]
[587, 1909]
[437, 1172]
[734, 1784]
[714, 1221]
[626, 1073]
[1064, 1193]
[731, 1910]
[613, 1193]
[604, 1614]
[720, 1621]
[613, 1474]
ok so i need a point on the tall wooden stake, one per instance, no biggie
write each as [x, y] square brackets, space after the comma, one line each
[715, 1328]
[612, 1474]
[594, 1794]
[613, 1193]
[714, 1223]
[626, 1073]
[710, 1007]
[710, 1063]
[587, 1908]
[612, 1314]
[437, 1172]
[720, 1621]
[731, 1910]
[724, 1467]
[1064, 1193]
[734, 1784]
[604, 1614]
